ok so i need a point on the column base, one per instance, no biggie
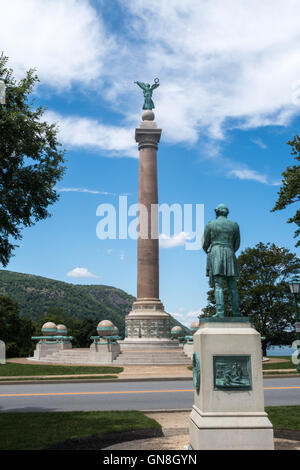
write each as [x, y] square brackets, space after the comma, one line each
[148, 322]
[230, 431]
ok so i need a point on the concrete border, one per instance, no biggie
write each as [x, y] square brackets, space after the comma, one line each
[129, 379]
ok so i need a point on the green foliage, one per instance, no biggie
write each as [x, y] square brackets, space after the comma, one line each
[31, 160]
[79, 307]
[264, 292]
[289, 192]
[15, 331]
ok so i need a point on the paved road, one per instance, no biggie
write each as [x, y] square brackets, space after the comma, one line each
[152, 395]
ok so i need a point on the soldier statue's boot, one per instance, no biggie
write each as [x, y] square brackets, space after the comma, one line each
[219, 297]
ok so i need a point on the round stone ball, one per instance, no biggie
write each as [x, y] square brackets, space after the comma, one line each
[49, 329]
[116, 330]
[148, 115]
[176, 331]
[62, 330]
[105, 328]
[195, 326]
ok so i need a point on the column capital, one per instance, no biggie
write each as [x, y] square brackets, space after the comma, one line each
[147, 137]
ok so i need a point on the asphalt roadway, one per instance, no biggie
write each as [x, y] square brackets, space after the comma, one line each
[131, 395]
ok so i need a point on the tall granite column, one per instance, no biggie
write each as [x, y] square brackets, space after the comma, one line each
[148, 320]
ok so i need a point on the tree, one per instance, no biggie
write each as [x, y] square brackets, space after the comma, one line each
[15, 331]
[289, 192]
[264, 292]
[31, 160]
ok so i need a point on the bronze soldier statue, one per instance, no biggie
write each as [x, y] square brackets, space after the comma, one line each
[221, 241]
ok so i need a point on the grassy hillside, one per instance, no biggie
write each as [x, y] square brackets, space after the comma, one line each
[36, 295]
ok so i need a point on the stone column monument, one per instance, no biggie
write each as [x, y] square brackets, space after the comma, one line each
[228, 411]
[148, 321]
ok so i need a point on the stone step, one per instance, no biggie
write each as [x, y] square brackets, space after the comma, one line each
[150, 356]
[142, 363]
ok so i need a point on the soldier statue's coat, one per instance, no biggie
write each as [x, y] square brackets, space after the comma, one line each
[221, 241]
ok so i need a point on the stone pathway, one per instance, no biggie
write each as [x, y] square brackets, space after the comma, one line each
[129, 372]
[176, 435]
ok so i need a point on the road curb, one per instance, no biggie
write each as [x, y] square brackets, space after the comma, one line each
[132, 379]
[63, 381]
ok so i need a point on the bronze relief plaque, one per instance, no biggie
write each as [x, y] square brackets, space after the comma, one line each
[232, 373]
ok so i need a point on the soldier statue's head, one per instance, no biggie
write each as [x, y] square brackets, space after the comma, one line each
[221, 209]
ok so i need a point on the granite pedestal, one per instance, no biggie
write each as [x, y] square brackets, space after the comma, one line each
[228, 411]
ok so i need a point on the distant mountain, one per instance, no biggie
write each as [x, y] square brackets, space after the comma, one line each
[36, 295]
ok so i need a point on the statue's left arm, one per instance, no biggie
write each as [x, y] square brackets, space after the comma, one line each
[206, 239]
[155, 85]
[236, 238]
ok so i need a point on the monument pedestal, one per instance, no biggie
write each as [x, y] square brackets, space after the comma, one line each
[45, 348]
[104, 352]
[228, 411]
[147, 322]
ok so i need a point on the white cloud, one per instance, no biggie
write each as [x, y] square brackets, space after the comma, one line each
[188, 318]
[64, 40]
[178, 315]
[222, 65]
[258, 141]
[217, 62]
[83, 190]
[81, 272]
[90, 133]
[178, 239]
[247, 174]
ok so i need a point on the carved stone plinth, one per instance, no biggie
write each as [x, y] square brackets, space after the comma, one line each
[228, 411]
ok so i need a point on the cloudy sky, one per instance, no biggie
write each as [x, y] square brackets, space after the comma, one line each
[228, 101]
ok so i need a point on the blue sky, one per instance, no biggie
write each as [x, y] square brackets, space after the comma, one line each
[228, 102]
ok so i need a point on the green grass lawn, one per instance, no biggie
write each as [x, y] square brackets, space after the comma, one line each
[56, 379]
[284, 417]
[30, 431]
[13, 369]
[288, 364]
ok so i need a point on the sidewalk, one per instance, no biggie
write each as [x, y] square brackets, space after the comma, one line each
[130, 373]
[175, 427]
[176, 372]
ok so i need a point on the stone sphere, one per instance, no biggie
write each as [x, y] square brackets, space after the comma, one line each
[148, 115]
[62, 330]
[195, 326]
[176, 331]
[116, 330]
[49, 329]
[105, 328]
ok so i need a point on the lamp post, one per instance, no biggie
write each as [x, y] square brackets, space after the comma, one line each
[295, 287]
[2, 92]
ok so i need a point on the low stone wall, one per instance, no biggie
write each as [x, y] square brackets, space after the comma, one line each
[44, 349]
[188, 349]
